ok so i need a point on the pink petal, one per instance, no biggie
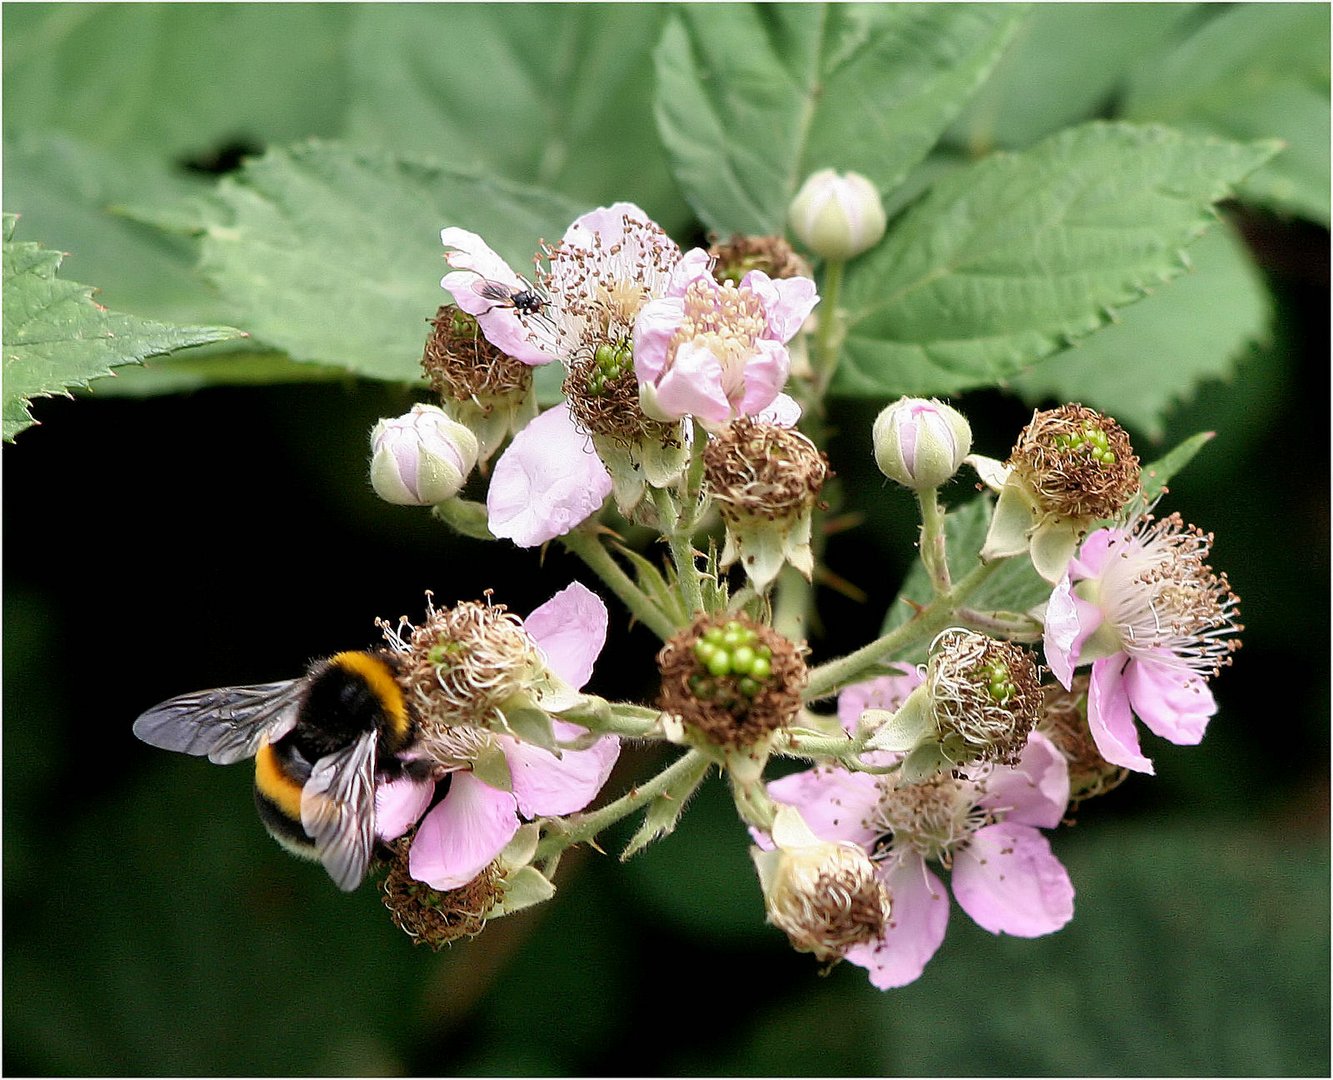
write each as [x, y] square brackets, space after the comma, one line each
[692, 386]
[546, 785]
[463, 833]
[474, 262]
[695, 265]
[784, 412]
[1109, 716]
[571, 629]
[654, 326]
[1010, 882]
[886, 692]
[1174, 702]
[915, 930]
[835, 803]
[546, 482]
[604, 226]
[787, 301]
[765, 373]
[1036, 790]
[399, 803]
[1095, 553]
[1070, 621]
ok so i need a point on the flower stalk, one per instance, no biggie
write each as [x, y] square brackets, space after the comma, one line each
[590, 549]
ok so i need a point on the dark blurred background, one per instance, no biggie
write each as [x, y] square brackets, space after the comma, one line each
[166, 544]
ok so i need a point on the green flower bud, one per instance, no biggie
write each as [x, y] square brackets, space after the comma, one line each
[422, 458]
[920, 443]
[837, 215]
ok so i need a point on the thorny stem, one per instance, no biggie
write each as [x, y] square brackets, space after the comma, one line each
[920, 629]
[1013, 625]
[752, 803]
[682, 551]
[676, 781]
[934, 552]
[590, 549]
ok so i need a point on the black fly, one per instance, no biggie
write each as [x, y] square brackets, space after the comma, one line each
[524, 301]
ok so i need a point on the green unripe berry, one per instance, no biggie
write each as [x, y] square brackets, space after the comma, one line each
[748, 686]
[719, 664]
[761, 669]
[742, 658]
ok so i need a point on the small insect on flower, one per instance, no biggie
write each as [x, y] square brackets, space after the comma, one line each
[320, 743]
[525, 301]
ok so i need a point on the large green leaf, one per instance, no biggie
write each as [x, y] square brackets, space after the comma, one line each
[333, 255]
[752, 98]
[1008, 260]
[1156, 353]
[56, 336]
[1256, 71]
[1065, 64]
[174, 80]
[566, 84]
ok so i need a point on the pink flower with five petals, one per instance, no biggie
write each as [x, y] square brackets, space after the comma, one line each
[1142, 605]
[467, 828]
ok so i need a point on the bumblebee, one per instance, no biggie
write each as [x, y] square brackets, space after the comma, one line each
[319, 742]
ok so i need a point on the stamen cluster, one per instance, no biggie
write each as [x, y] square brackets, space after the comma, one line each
[459, 667]
[1077, 462]
[933, 818]
[985, 696]
[1160, 594]
[758, 470]
[731, 679]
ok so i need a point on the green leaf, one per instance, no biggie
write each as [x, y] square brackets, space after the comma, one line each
[1255, 71]
[1155, 354]
[1065, 63]
[174, 80]
[1015, 586]
[56, 336]
[1157, 474]
[566, 84]
[1011, 259]
[752, 98]
[333, 255]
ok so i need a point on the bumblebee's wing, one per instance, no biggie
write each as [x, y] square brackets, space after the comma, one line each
[228, 724]
[338, 810]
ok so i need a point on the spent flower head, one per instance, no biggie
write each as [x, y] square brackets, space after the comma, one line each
[1070, 468]
[978, 703]
[1064, 720]
[765, 480]
[824, 895]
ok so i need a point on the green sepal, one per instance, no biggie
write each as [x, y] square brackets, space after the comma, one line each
[520, 850]
[491, 767]
[1015, 517]
[907, 728]
[532, 725]
[522, 889]
[658, 588]
[661, 815]
[464, 516]
[1054, 544]
[925, 761]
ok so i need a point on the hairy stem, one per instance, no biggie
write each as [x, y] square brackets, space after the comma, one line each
[934, 552]
[682, 550]
[590, 549]
[677, 780]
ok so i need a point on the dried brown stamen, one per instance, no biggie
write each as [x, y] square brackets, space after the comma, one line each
[1077, 462]
[432, 917]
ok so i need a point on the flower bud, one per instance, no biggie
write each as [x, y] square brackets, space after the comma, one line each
[825, 896]
[422, 458]
[837, 216]
[920, 443]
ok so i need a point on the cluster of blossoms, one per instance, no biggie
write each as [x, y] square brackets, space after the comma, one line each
[682, 372]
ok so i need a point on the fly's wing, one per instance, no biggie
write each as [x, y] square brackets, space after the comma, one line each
[227, 724]
[338, 810]
[492, 290]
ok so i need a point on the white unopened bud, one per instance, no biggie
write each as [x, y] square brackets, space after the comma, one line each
[422, 458]
[837, 215]
[921, 443]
